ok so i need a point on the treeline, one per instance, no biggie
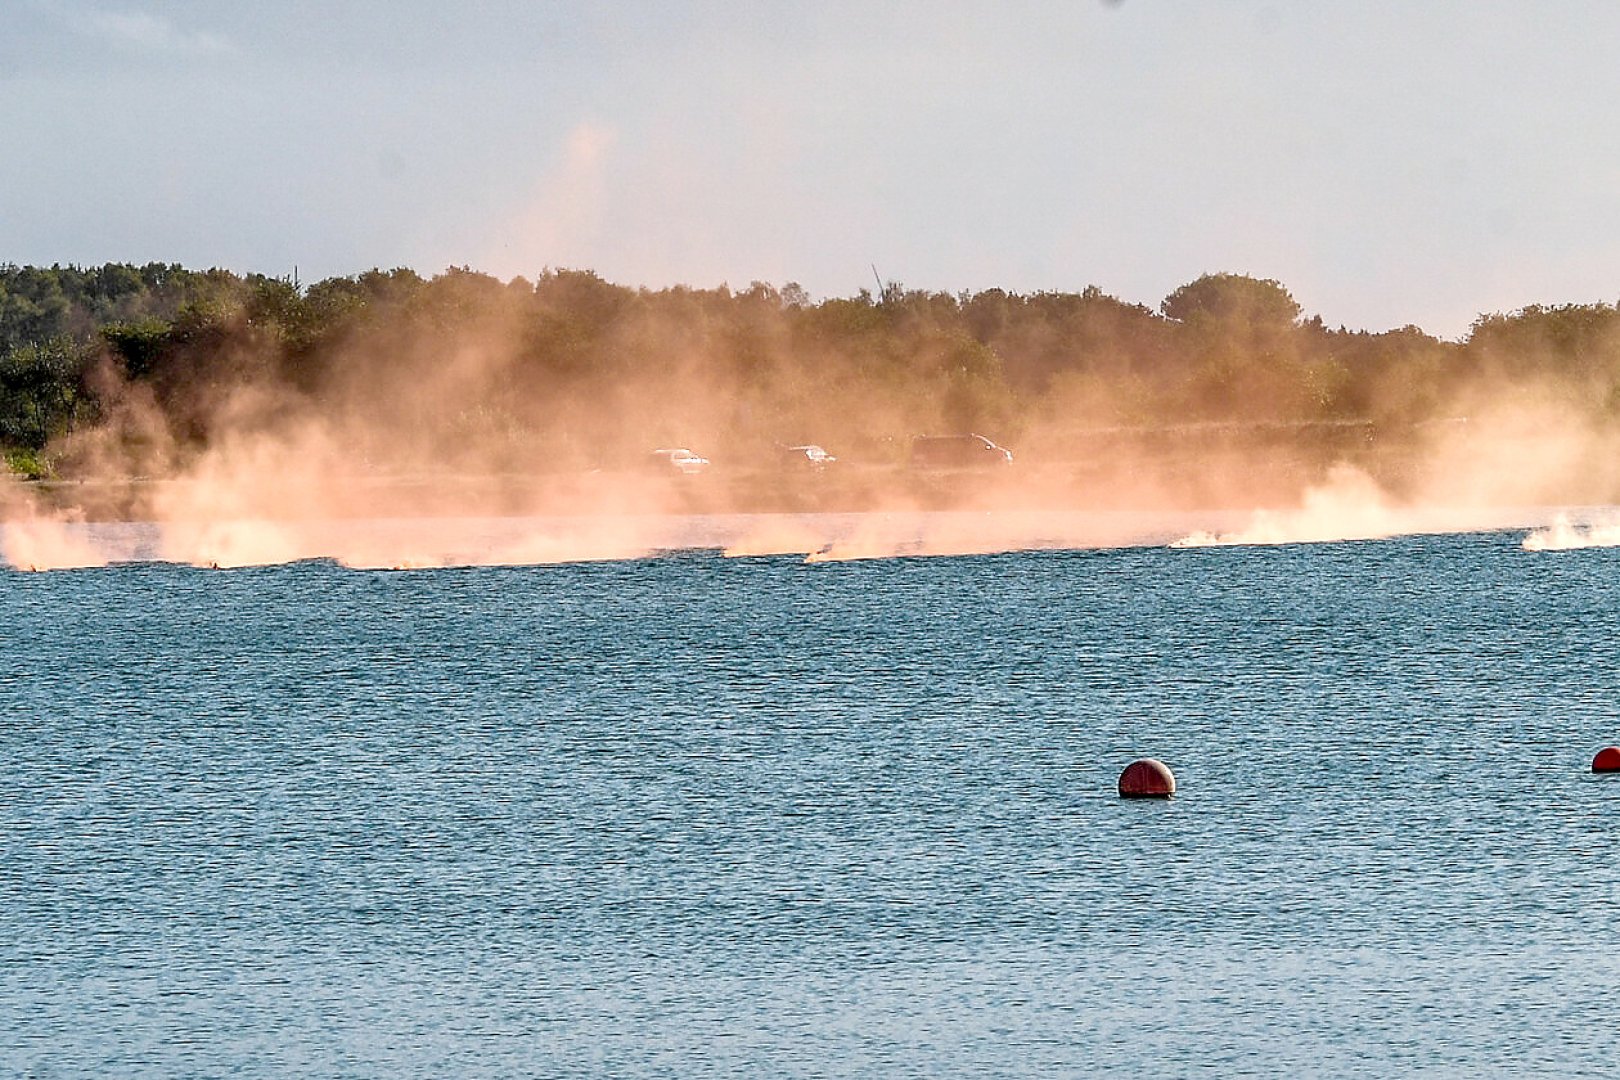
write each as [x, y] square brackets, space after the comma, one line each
[569, 370]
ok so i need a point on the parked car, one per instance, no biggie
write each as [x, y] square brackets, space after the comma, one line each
[678, 459]
[970, 451]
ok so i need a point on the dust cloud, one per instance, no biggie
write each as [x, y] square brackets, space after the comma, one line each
[382, 458]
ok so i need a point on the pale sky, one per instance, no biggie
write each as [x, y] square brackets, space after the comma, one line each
[1391, 162]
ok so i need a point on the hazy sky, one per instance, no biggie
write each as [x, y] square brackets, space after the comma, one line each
[1390, 162]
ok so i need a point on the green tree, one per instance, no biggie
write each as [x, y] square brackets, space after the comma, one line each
[40, 395]
[138, 346]
[1233, 299]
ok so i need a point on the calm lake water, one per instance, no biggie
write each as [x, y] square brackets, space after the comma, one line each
[689, 816]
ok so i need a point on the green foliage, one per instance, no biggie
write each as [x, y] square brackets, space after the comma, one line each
[1232, 299]
[27, 463]
[593, 364]
[138, 346]
[40, 395]
[1580, 342]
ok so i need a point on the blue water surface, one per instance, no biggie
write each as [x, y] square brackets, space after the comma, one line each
[692, 816]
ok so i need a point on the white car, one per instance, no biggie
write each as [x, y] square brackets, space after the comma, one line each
[680, 459]
[809, 456]
[957, 452]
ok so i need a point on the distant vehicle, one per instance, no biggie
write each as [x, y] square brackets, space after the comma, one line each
[808, 456]
[957, 452]
[679, 459]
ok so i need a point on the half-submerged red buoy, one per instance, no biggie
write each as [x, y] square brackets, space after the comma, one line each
[1607, 760]
[1147, 778]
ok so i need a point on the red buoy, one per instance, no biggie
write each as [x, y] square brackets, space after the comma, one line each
[1148, 778]
[1607, 760]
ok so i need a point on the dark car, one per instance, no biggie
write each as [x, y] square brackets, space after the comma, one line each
[957, 452]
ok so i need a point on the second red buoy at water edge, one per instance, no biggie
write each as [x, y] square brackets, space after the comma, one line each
[1147, 778]
[1607, 760]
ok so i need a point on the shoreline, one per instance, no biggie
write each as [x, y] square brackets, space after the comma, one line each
[1209, 487]
[409, 543]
